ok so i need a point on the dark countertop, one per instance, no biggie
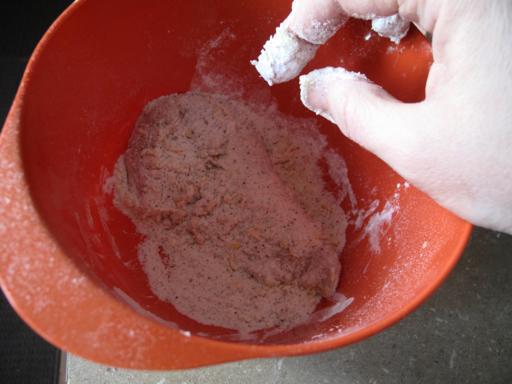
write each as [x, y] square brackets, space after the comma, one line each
[25, 358]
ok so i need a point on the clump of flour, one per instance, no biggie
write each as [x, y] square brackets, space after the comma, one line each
[239, 230]
[393, 27]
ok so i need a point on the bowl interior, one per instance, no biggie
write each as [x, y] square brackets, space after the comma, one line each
[109, 58]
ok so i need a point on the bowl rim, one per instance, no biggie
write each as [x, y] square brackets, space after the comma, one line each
[59, 325]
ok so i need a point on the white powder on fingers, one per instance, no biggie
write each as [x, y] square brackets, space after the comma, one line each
[289, 50]
[393, 27]
[318, 80]
[283, 56]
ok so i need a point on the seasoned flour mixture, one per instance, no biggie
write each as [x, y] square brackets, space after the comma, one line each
[239, 230]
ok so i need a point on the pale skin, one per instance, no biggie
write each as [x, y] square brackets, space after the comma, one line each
[456, 145]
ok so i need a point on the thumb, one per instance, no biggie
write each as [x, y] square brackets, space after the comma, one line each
[365, 113]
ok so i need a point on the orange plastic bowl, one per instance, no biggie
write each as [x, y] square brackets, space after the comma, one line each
[68, 258]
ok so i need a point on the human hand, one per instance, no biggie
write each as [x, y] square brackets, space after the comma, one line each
[456, 145]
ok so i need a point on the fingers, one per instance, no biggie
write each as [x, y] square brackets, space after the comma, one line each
[364, 112]
[424, 13]
[316, 21]
[310, 24]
